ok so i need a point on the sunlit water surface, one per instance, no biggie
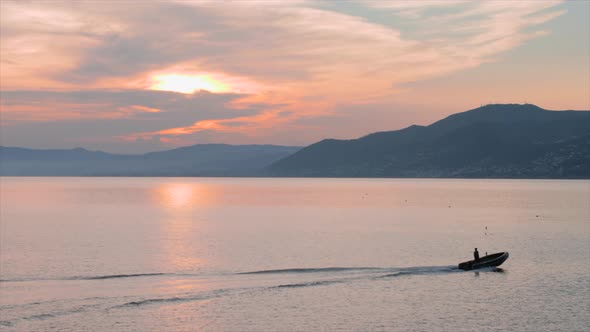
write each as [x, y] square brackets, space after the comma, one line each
[183, 254]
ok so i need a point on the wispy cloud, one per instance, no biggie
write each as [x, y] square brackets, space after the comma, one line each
[141, 105]
[286, 60]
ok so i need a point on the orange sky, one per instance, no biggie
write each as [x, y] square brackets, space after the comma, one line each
[137, 77]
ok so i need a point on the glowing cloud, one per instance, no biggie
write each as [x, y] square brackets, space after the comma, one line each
[187, 83]
[295, 71]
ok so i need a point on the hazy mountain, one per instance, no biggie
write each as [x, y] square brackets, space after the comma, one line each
[196, 160]
[512, 141]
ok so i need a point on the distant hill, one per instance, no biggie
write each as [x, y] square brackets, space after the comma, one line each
[196, 160]
[493, 141]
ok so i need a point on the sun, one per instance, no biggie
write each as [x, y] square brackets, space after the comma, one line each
[188, 84]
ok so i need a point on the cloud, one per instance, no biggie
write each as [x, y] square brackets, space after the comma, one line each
[101, 118]
[291, 61]
[284, 43]
[165, 107]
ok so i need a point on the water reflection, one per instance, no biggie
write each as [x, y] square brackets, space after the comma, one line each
[176, 195]
[496, 270]
[183, 223]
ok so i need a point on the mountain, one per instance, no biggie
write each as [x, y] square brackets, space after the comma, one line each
[493, 141]
[196, 160]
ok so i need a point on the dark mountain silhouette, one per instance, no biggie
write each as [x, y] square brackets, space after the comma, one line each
[196, 160]
[495, 141]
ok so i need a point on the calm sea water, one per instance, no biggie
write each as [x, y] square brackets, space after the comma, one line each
[203, 254]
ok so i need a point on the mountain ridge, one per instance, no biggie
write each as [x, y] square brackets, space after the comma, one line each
[492, 141]
[498, 140]
[194, 160]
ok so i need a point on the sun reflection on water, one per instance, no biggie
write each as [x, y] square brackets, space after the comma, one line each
[177, 194]
[182, 222]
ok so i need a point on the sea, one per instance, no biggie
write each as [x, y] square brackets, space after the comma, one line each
[292, 254]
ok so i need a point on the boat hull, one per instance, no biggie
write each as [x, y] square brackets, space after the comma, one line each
[487, 261]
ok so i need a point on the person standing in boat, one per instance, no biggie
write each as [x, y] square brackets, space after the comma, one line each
[476, 254]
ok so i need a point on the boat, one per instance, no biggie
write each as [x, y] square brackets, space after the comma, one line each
[486, 261]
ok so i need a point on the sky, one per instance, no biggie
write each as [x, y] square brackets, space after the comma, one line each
[140, 76]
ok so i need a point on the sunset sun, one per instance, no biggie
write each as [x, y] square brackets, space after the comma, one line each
[187, 83]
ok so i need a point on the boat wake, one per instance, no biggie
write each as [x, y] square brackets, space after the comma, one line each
[227, 284]
[165, 300]
[426, 270]
[380, 272]
[97, 277]
[324, 270]
[315, 270]
[117, 276]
